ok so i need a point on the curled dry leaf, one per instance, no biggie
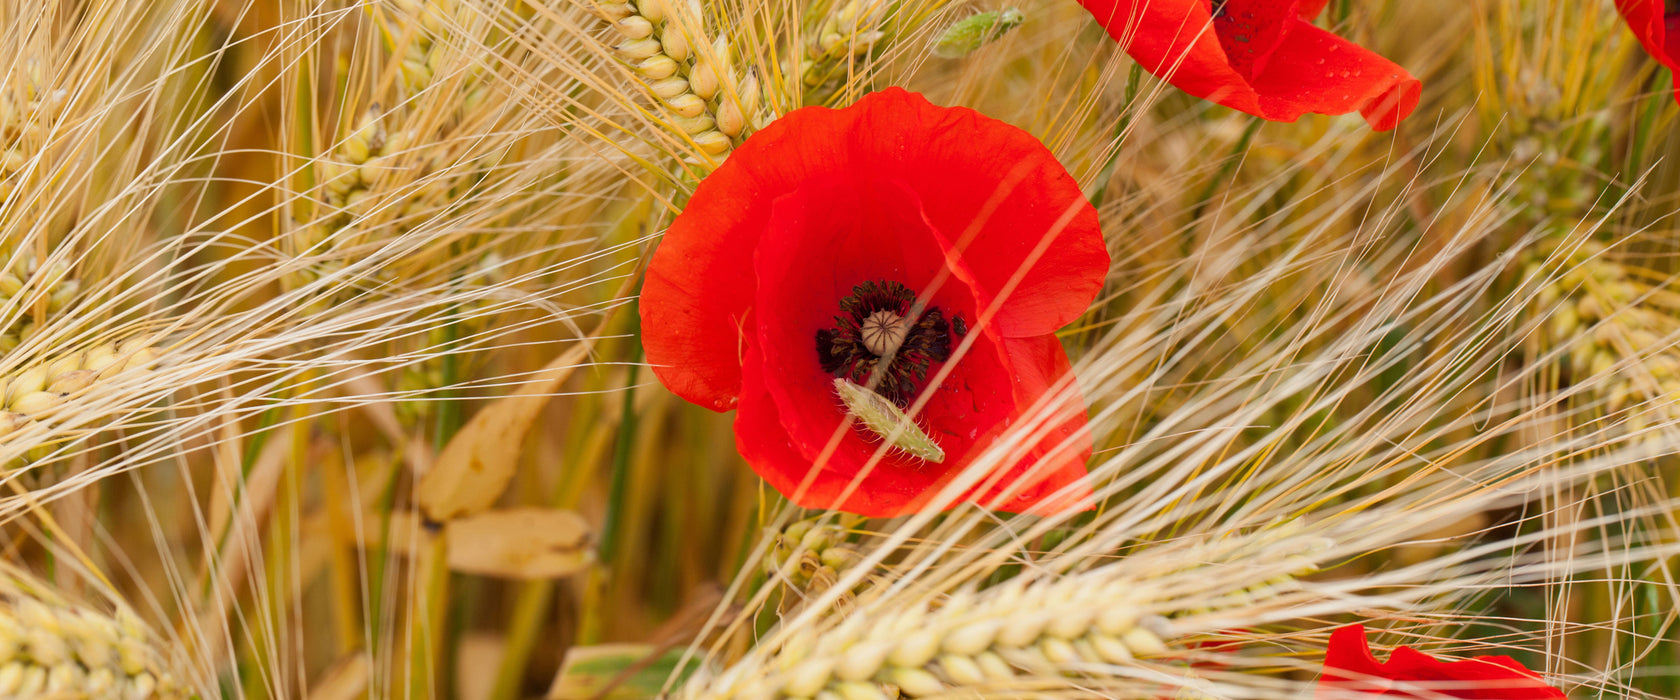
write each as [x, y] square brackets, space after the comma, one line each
[521, 543]
[478, 462]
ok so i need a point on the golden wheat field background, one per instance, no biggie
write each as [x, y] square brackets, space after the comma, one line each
[321, 373]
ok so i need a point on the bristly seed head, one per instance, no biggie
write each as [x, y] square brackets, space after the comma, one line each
[880, 326]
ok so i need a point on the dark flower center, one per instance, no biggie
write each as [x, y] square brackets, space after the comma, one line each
[881, 326]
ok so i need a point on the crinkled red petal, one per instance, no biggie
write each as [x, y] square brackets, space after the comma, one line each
[1050, 473]
[1260, 57]
[1658, 31]
[1004, 202]
[1349, 667]
[1175, 39]
[1313, 70]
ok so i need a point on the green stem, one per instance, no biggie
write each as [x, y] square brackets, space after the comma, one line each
[1099, 189]
[1226, 168]
[620, 466]
[1642, 129]
[530, 609]
[431, 662]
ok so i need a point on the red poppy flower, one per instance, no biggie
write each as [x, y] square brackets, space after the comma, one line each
[1350, 670]
[1658, 27]
[1263, 57]
[932, 246]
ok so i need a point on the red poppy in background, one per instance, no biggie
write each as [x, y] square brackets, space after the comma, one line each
[1350, 670]
[1263, 57]
[892, 238]
[1658, 27]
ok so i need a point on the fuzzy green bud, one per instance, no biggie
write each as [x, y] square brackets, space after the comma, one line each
[968, 35]
[884, 419]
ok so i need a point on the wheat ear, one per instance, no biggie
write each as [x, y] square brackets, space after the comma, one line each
[1612, 324]
[996, 636]
[37, 390]
[51, 648]
[691, 74]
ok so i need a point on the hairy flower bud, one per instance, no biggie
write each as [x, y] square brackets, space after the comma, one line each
[967, 35]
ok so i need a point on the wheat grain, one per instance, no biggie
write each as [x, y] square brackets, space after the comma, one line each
[847, 33]
[811, 555]
[24, 281]
[36, 390]
[27, 109]
[51, 648]
[968, 640]
[1616, 335]
[689, 72]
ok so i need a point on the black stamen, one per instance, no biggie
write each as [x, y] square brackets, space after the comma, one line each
[844, 350]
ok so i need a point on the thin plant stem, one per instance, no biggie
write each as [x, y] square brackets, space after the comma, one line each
[1099, 189]
[1225, 169]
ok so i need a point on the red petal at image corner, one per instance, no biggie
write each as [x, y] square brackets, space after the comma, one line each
[788, 418]
[1262, 57]
[996, 191]
[1351, 671]
[1658, 30]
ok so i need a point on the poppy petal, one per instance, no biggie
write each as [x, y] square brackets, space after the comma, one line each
[696, 301]
[1259, 56]
[1026, 231]
[764, 443]
[1348, 662]
[1658, 32]
[1313, 70]
[1175, 40]
[1310, 9]
[1057, 457]
[1350, 668]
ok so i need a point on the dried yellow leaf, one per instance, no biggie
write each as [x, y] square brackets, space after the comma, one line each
[520, 543]
[478, 462]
